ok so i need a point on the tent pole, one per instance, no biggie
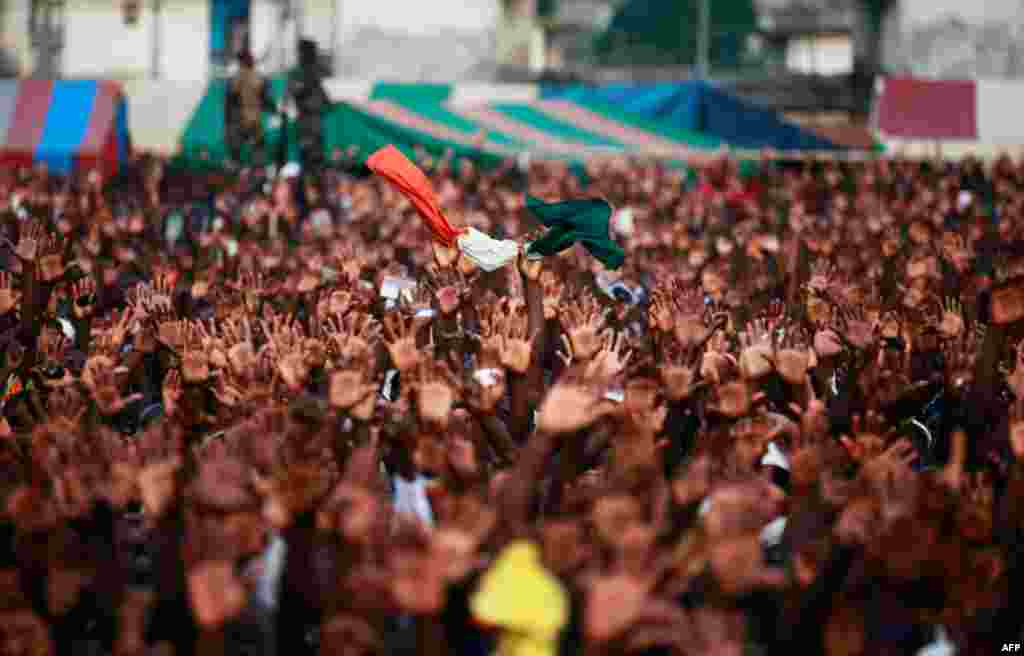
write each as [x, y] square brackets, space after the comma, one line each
[157, 39]
[335, 37]
[703, 39]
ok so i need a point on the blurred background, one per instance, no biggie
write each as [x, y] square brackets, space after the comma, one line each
[815, 62]
[451, 40]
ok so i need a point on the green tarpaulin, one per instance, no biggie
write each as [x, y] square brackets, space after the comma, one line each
[422, 116]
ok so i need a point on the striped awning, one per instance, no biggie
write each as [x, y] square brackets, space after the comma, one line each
[66, 124]
[559, 128]
[433, 118]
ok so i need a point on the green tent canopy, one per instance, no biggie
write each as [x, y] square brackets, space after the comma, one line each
[423, 117]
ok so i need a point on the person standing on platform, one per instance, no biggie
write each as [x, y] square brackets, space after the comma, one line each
[306, 90]
[248, 96]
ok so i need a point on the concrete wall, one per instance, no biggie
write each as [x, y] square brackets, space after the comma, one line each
[400, 39]
[99, 44]
[955, 38]
[414, 40]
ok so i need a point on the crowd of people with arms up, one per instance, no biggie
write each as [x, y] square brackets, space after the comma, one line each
[776, 412]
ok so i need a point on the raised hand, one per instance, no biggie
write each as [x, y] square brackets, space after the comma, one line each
[690, 327]
[172, 333]
[195, 362]
[51, 261]
[401, 342]
[734, 400]
[102, 383]
[238, 341]
[172, 392]
[444, 257]
[960, 356]
[30, 241]
[119, 327]
[583, 321]
[163, 284]
[976, 511]
[108, 342]
[827, 342]
[254, 283]
[813, 418]
[660, 315]
[230, 391]
[890, 474]
[795, 357]
[212, 342]
[435, 394]
[717, 362]
[83, 295]
[856, 328]
[824, 276]
[364, 334]
[282, 334]
[294, 367]
[857, 523]
[569, 407]
[757, 357]
[515, 345]
[554, 292]
[160, 315]
[1015, 379]
[609, 364]
[309, 281]
[349, 388]
[1017, 431]
[491, 318]
[952, 323]
[680, 373]
[52, 346]
[452, 289]
[9, 296]
[337, 303]
[738, 567]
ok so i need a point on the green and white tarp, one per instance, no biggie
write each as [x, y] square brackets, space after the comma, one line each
[430, 118]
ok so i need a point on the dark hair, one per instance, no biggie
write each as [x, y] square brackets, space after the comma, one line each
[308, 54]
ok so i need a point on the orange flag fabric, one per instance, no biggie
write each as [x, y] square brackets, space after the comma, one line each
[393, 166]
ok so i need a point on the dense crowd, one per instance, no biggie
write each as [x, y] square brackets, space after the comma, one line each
[257, 415]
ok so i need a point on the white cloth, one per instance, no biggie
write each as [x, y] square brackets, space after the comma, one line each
[771, 534]
[487, 377]
[623, 222]
[290, 170]
[486, 252]
[774, 456]
[272, 567]
[411, 499]
[941, 646]
[67, 328]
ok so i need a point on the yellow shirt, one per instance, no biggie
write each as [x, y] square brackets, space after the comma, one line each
[520, 597]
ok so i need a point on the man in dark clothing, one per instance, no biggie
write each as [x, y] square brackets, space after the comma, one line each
[305, 88]
[248, 96]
